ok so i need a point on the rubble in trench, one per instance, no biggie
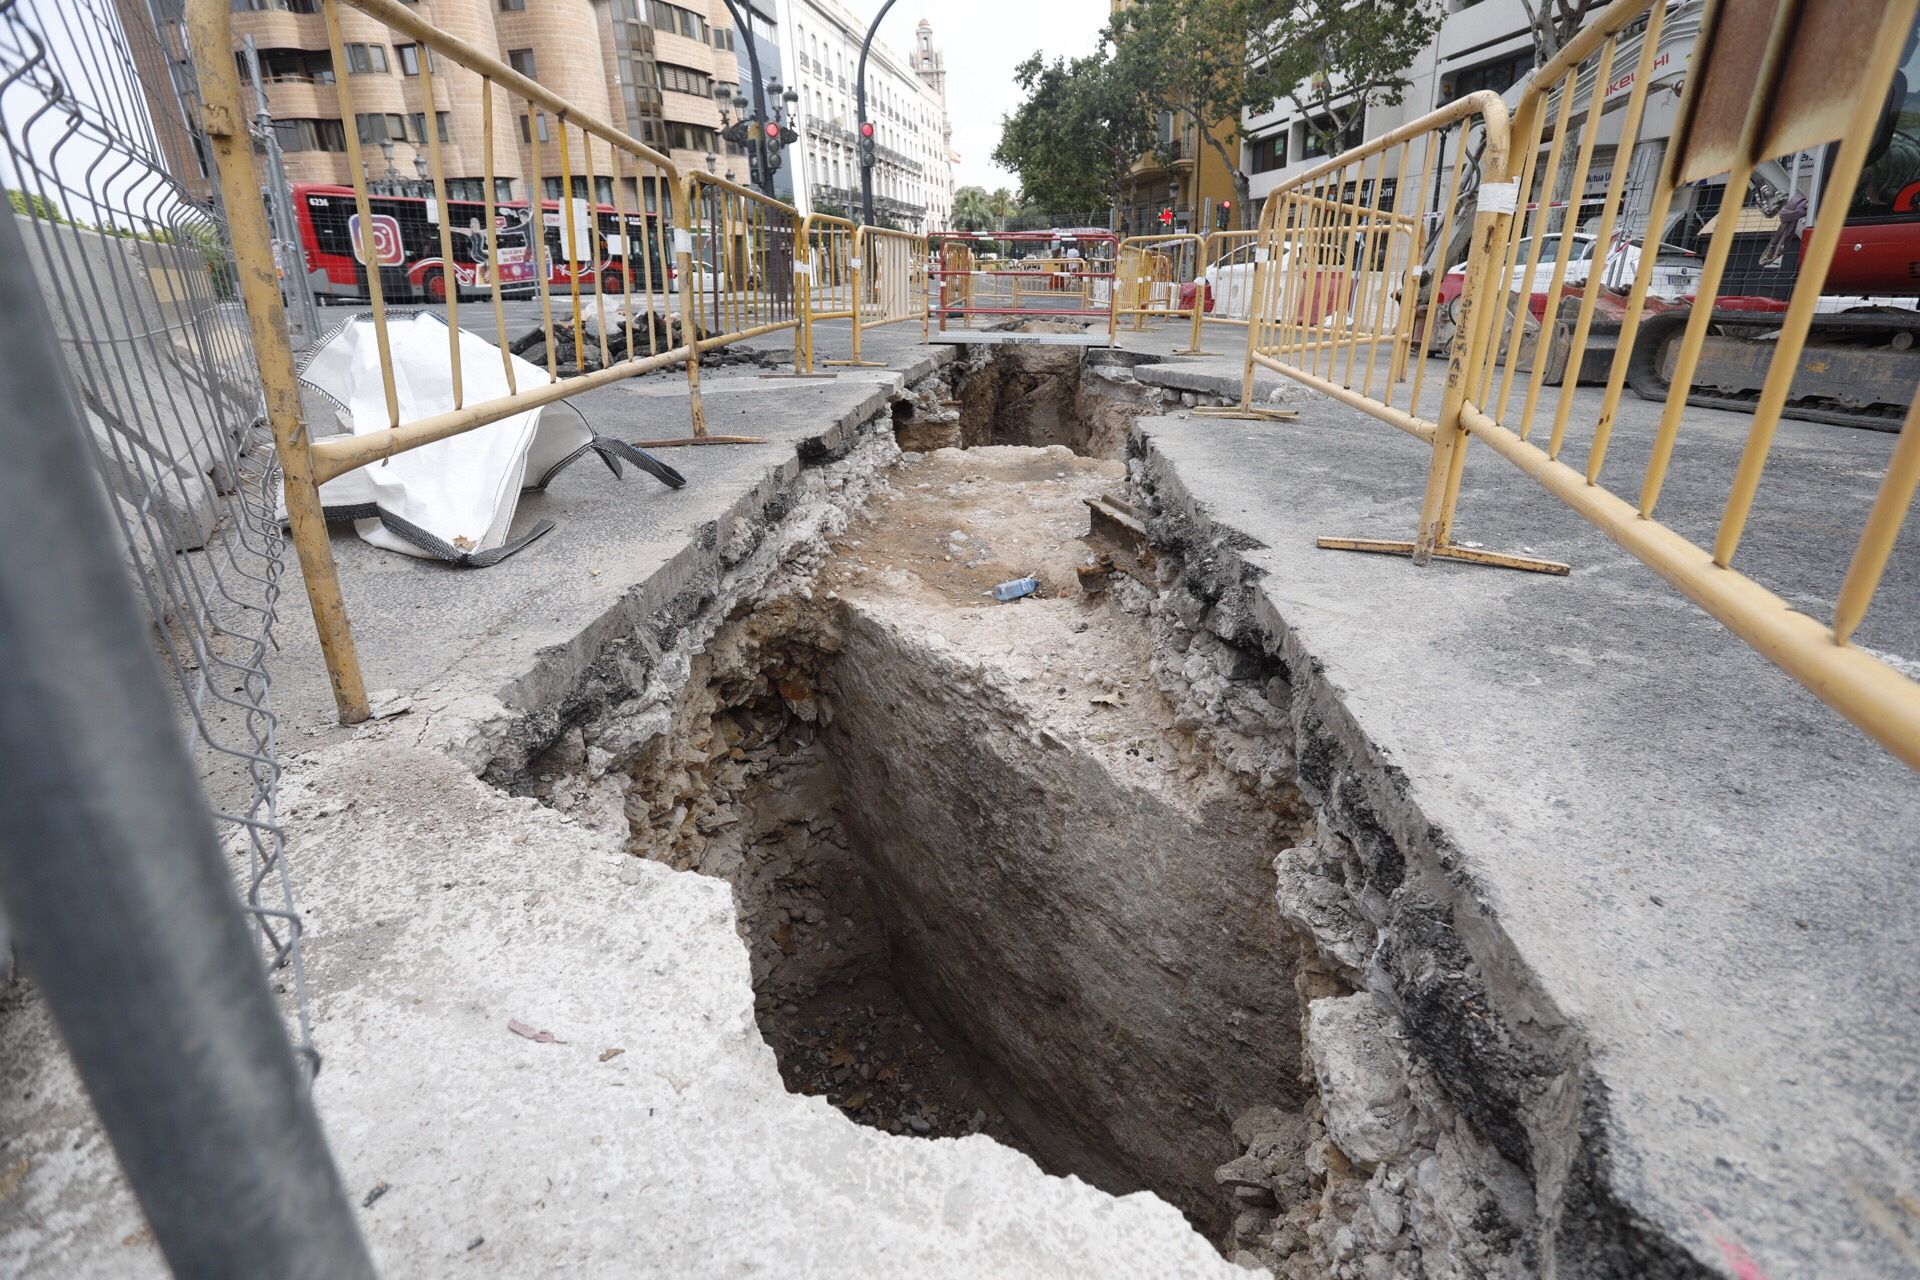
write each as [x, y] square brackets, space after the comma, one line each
[1038, 871]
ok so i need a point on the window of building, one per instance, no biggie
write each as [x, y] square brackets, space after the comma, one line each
[475, 189]
[602, 189]
[310, 135]
[513, 6]
[291, 64]
[417, 126]
[683, 22]
[1499, 75]
[526, 130]
[367, 59]
[723, 37]
[1312, 145]
[675, 79]
[276, 6]
[409, 56]
[691, 137]
[1269, 152]
[521, 60]
[379, 127]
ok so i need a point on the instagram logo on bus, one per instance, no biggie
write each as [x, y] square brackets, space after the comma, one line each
[387, 248]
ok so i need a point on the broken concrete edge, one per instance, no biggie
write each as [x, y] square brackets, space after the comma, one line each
[1462, 1000]
[496, 731]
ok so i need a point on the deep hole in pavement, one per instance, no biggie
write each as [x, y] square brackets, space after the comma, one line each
[1035, 396]
[1046, 872]
[991, 880]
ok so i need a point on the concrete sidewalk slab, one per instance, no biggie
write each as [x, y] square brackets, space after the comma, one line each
[1672, 866]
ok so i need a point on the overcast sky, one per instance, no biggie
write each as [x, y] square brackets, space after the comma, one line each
[984, 40]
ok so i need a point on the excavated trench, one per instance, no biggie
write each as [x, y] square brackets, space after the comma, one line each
[1042, 871]
[990, 881]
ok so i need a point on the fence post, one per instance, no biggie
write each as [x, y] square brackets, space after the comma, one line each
[122, 905]
[1478, 297]
[689, 309]
[225, 122]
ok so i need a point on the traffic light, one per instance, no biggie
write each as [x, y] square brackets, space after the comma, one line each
[1223, 216]
[866, 143]
[776, 134]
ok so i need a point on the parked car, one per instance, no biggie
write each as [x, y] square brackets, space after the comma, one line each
[1676, 273]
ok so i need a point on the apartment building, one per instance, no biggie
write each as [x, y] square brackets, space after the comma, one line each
[658, 68]
[1185, 176]
[906, 102]
[1481, 44]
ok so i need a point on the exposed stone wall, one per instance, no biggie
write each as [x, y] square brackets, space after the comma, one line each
[1454, 1129]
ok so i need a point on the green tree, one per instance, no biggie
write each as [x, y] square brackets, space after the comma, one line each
[1211, 60]
[1078, 131]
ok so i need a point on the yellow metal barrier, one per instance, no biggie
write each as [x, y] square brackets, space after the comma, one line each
[738, 283]
[889, 285]
[1153, 273]
[741, 282]
[1072, 278]
[1793, 80]
[826, 277]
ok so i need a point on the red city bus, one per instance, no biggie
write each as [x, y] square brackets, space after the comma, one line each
[406, 244]
[615, 251]
[406, 241]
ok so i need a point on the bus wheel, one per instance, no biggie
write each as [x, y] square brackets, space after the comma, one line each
[434, 285]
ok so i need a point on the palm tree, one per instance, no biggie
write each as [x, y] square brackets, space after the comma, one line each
[1005, 206]
[973, 209]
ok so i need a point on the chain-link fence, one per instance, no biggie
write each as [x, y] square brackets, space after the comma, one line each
[103, 168]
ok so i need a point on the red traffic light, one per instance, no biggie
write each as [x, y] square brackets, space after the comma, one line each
[866, 128]
[773, 131]
[1226, 204]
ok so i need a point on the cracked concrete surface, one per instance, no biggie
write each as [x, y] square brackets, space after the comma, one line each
[1659, 966]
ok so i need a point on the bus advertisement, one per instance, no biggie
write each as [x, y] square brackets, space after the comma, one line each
[405, 242]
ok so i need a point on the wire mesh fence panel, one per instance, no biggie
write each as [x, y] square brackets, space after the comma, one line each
[103, 172]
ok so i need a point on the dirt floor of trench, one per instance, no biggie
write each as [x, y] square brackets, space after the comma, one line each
[988, 883]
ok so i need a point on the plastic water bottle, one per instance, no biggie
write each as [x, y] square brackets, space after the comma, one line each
[1007, 592]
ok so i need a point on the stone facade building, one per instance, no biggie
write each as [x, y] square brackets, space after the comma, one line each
[906, 102]
[652, 67]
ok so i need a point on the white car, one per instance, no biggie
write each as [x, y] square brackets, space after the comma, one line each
[1226, 286]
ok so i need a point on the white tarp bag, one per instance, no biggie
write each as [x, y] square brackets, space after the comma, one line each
[454, 499]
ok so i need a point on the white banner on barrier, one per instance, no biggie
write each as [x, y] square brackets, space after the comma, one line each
[1499, 197]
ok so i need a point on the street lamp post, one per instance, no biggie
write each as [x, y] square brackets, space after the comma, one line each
[860, 112]
[763, 158]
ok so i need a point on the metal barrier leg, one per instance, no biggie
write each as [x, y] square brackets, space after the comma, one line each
[225, 124]
[122, 907]
[690, 334]
[1479, 304]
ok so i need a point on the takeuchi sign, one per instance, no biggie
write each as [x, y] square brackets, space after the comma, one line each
[1621, 83]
